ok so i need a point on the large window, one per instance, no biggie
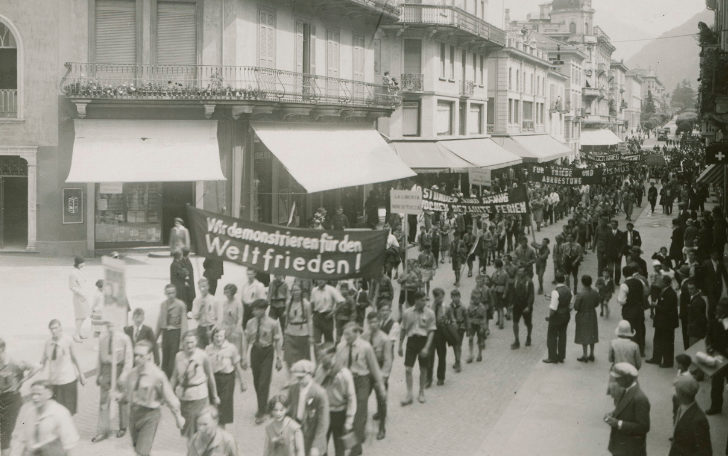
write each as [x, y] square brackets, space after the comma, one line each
[176, 33]
[115, 32]
[475, 119]
[444, 117]
[266, 38]
[411, 118]
[8, 73]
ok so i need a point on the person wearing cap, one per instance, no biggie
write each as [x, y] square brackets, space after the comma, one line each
[179, 237]
[696, 314]
[632, 238]
[665, 322]
[193, 380]
[263, 336]
[338, 382]
[418, 327]
[716, 343]
[79, 285]
[357, 355]
[308, 404]
[691, 436]
[630, 419]
[632, 298]
[115, 353]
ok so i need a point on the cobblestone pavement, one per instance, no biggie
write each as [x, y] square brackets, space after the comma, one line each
[509, 404]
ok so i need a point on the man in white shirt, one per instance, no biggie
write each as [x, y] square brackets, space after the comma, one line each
[251, 291]
[324, 299]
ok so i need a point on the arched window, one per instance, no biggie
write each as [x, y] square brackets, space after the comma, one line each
[8, 73]
[572, 27]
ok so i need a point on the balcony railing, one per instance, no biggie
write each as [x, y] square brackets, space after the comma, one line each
[467, 88]
[412, 82]
[8, 103]
[220, 84]
[452, 16]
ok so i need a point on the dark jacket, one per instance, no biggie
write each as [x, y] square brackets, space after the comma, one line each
[666, 315]
[692, 434]
[145, 333]
[633, 409]
[315, 422]
[697, 321]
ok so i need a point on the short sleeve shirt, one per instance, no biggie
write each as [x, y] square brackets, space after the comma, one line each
[61, 370]
[223, 359]
[416, 323]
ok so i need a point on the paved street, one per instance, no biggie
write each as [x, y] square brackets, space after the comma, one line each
[487, 409]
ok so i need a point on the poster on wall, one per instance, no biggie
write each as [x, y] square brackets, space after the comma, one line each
[72, 205]
[307, 253]
[116, 305]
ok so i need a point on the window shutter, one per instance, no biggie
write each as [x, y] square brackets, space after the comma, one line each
[115, 32]
[176, 33]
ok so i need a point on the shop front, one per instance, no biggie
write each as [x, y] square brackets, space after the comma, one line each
[141, 175]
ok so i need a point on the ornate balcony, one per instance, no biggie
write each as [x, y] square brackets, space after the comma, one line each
[412, 82]
[8, 103]
[467, 88]
[214, 85]
[452, 17]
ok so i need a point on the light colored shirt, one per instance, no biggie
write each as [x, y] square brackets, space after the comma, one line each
[416, 323]
[324, 300]
[250, 292]
[57, 354]
[206, 310]
[36, 429]
[224, 358]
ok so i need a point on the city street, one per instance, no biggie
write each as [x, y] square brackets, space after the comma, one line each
[486, 409]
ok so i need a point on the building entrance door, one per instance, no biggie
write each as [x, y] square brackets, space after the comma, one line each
[13, 202]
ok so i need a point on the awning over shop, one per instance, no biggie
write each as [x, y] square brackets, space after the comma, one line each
[600, 137]
[483, 153]
[713, 174]
[326, 157]
[111, 150]
[430, 157]
[544, 147]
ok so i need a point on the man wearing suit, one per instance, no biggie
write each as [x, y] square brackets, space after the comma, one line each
[630, 420]
[308, 404]
[631, 238]
[714, 280]
[692, 431]
[665, 321]
[676, 246]
[717, 344]
[613, 251]
[139, 331]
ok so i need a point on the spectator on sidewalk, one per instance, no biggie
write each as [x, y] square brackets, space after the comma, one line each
[630, 419]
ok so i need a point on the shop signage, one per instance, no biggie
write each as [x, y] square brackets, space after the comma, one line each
[510, 202]
[308, 253]
[116, 304]
[562, 175]
[405, 202]
[72, 205]
[479, 176]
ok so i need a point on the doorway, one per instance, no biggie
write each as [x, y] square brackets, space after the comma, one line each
[176, 196]
[13, 202]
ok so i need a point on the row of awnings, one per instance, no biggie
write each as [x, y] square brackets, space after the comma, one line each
[319, 157]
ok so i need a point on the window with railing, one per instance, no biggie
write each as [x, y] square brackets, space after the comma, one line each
[8, 73]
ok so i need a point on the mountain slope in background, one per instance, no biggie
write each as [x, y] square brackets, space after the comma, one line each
[674, 59]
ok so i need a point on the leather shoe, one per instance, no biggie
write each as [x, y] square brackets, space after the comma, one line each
[550, 361]
[712, 411]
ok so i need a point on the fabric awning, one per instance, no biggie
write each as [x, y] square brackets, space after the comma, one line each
[544, 147]
[483, 153]
[430, 157]
[326, 157]
[713, 174]
[600, 137]
[112, 150]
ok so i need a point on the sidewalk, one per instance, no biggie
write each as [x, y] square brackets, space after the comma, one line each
[559, 409]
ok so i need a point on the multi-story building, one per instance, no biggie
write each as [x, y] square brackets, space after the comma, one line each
[164, 103]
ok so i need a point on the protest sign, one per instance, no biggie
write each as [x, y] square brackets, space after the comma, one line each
[307, 253]
[562, 175]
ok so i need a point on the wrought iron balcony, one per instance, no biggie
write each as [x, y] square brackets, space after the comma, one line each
[220, 84]
[412, 82]
[467, 88]
[451, 16]
[8, 103]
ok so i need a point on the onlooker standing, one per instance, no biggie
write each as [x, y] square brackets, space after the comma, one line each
[64, 370]
[12, 376]
[79, 285]
[171, 324]
[179, 236]
[559, 316]
[45, 427]
[692, 430]
[630, 420]
[587, 327]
